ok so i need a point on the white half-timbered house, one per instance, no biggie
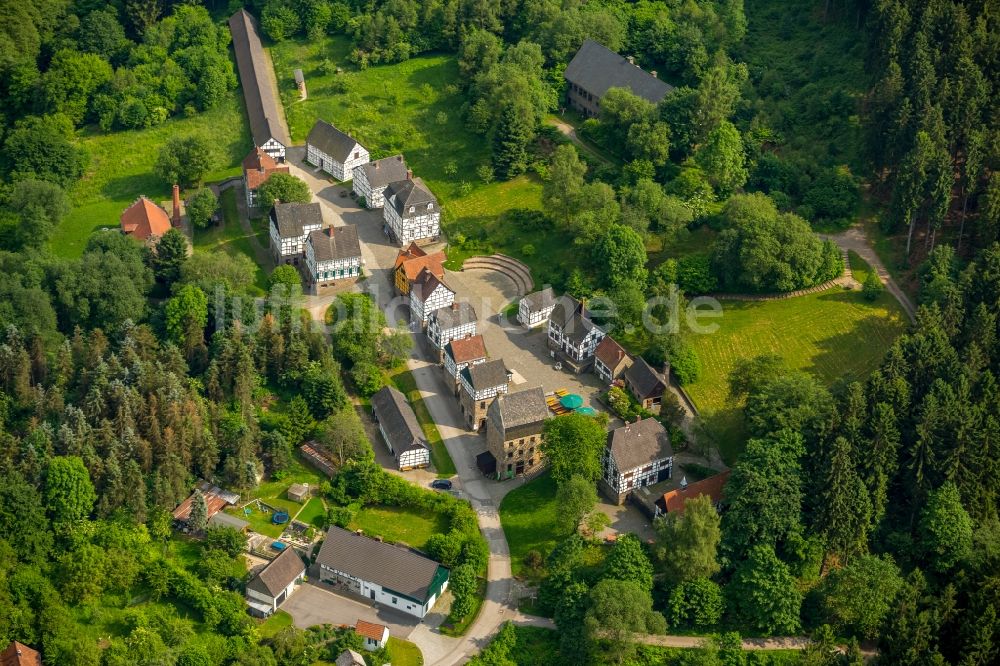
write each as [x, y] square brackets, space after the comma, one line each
[610, 360]
[333, 151]
[481, 384]
[572, 333]
[333, 254]
[400, 429]
[290, 225]
[275, 583]
[458, 320]
[257, 169]
[371, 179]
[636, 455]
[535, 309]
[263, 110]
[410, 211]
[388, 575]
[427, 294]
[460, 354]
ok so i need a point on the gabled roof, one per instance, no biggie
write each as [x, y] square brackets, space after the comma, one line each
[409, 193]
[637, 444]
[291, 219]
[573, 317]
[371, 630]
[414, 259]
[541, 299]
[673, 501]
[646, 381]
[331, 141]
[279, 574]
[384, 171]
[144, 219]
[425, 284]
[518, 409]
[335, 243]
[399, 569]
[596, 69]
[19, 654]
[258, 167]
[221, 519]
[457, 314]
[609, 352]
[350, 658]
[398, 421]
[216, 499]
[466, 350]
[262, 107]
[486, 375]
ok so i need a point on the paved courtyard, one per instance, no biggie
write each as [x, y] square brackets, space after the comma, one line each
[314, 603]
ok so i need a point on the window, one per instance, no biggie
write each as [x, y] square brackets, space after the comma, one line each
[520, 441]
[510, 454]
[482, 405]
[394, 600]
[413, 209]
[430, 206]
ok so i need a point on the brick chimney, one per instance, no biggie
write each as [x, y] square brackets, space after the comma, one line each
[177, 206]
[409, 174]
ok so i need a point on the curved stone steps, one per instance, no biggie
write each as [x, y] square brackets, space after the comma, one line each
[512, 268]
[516, 278]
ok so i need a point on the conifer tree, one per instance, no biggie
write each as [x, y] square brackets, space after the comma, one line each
[510, 141]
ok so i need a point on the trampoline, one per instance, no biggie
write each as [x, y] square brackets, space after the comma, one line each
[571, 401]
[586, 411]
[279, 517]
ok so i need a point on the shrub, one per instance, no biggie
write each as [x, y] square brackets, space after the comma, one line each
[694, 274]
[620, 403]
[528, 250]
[533, 560]
[485, 173]
[872, 287]
[684, 364]
[696, 604]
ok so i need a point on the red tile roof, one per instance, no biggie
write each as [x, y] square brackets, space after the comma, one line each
[610, 352]
[258, 167]
[370, 630]
[464, 350]
[144, 219]
[19, 654]
[673, 501]
[414, 260]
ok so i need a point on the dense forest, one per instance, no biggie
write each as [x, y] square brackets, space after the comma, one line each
[867, 511]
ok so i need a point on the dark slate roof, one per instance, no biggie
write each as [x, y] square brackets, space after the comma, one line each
[540, 300]
[393, 567]
[646, 381]
[335, 243]
[331, 140]
[384, 171]
[299, 77]
[573, 317]
[398, 420]
[518, 409]
[454, 315]
[262, 107]
[279, 574]
[409, 192]
[597, 69]
[637, 444]
[486, 375]
[292, 218]
[222, 519]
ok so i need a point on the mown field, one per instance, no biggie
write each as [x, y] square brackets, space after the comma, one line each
[399, 525]
[121, 164]
[831, 334]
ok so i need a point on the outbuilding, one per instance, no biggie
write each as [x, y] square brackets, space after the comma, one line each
[271, 587]
[400, 429]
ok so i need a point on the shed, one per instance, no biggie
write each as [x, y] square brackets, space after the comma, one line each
[300, 83]
[298, 492]
[221, 519]
[375, 635]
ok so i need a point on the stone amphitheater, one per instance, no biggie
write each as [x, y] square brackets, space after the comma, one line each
[508, 266]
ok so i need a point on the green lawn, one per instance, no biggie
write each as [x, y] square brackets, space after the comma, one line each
[272, 625]
[831, 334]
[440, 458]
[413, 107]
[121, 168]
[404, 653]
[859, 267]
[399, 525]
[272, 493]
[313, 513]
[529, 516]
[231, 238]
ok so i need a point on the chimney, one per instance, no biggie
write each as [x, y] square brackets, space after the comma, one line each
[409, 174]
[377, 165]
[631, 60]
[684, 483]
[653, 72]
[177, 206]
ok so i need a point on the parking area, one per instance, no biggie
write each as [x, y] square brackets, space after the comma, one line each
[314, 603]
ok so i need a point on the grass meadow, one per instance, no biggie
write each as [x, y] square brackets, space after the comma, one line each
[399, 525]
[230, 237]
[121, 164]
[832, 334]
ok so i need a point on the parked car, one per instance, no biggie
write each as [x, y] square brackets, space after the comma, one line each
[441, 484]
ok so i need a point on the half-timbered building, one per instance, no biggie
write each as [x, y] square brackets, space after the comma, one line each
[410, 261]
[333, 254]
[572, 334]
[457, 320]
[388, 575]
[290, 225]
[514, 431]
[371, 179]
[257, 169]
[535, 308]
[460, 354]
[427, 294]
[636, 455]
[410, 211]
[481, 384]
[334, 151]
[400, 429]
[610, 360]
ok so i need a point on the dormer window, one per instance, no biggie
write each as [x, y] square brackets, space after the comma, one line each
[430, 206]
[413, 209]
